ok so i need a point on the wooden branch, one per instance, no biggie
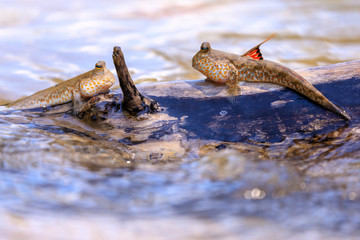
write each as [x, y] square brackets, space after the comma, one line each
[134, 102]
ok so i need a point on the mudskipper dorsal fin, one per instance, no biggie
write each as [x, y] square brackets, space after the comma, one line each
[255, 53]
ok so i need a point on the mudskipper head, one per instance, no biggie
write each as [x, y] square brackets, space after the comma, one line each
[100, 81]
[212, 63]
[201, 56]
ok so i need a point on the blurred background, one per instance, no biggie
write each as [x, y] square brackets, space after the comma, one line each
[45, 42]
[50, 185]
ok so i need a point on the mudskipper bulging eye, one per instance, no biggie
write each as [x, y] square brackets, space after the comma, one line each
[99, 65]
[205, 46]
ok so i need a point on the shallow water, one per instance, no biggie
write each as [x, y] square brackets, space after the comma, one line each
[75, 183]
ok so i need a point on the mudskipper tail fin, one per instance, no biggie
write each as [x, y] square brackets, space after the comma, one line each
[342, 112]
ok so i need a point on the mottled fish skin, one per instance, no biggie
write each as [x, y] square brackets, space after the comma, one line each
[86, 85]
[226, 68]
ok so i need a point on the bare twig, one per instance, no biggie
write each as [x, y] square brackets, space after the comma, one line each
[134, 102]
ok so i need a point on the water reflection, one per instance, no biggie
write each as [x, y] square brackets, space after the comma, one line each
[62, 171]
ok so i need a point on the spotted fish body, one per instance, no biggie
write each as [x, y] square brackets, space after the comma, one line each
[226, 68]
[86, 85]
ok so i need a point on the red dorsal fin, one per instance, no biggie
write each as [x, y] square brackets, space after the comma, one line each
[255, 53]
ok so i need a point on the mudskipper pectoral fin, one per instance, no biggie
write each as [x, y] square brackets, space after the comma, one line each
[233, 83]
[78, 104]
[234, 91]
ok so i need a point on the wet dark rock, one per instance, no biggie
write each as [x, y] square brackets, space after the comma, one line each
[203, 112]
